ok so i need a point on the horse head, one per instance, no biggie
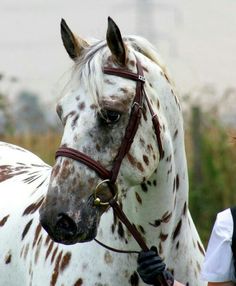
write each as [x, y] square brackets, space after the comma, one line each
[95, 113]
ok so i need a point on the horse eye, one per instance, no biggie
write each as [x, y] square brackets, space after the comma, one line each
[110, 116]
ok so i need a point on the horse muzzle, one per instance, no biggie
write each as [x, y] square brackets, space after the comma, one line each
[65, 228]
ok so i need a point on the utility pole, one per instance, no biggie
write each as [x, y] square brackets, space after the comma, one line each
[149, 14]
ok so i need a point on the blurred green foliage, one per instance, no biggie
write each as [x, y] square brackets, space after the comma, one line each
[213, 187]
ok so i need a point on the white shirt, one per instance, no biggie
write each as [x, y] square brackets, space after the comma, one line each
[218, 265]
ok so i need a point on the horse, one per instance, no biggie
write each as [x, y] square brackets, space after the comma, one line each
[53, 219]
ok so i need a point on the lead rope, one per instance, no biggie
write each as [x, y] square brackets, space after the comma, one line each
[160, 280]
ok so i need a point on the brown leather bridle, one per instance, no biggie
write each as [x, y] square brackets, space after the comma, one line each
[110, 176]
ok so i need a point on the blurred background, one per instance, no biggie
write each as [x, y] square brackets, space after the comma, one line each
[196, 39]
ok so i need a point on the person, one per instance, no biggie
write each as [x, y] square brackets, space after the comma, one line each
[218, 267]
[150, 265]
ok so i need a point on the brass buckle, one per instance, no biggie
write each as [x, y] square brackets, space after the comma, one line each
[97, 200]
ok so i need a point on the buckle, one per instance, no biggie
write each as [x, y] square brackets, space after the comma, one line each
[97, 201]
[141, 78]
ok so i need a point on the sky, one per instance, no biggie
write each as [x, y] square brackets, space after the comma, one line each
[196, 39]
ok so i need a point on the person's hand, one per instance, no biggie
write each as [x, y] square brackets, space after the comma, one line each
[150, 265]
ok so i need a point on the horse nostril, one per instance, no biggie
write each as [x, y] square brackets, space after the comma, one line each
[65, 226]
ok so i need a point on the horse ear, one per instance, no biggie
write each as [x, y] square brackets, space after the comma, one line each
[73, 45]
[115, 42]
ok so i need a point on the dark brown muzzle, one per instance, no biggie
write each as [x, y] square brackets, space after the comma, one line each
[69, 227]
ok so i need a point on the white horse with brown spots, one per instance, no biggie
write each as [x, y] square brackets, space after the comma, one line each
[152, 179]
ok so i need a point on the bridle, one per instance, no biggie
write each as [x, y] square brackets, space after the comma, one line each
[110, 176]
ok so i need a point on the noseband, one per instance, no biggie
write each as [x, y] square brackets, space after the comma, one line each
[109, 176]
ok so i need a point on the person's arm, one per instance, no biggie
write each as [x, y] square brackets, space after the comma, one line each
[219, 264]
[150, 265]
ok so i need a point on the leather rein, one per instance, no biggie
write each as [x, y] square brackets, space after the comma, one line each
[109, 176]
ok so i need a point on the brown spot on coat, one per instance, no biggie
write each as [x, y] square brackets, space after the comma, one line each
[26, 229]
[185, 208]
[49, 249]
[8, 258]
[200, 248]
[4, 220]
[56, 270]
[140, 167]
[81, 106]
[37, 252]
[47, 240]
[74, 121]
[174, 185]
[79, 282]
[98, 148]
[59, 110]
[166, 217]
[175, 134]
[132, 63]
[141, 229]
[55, 170]
[124, 90]
[120, 230]
[163, 236]
[37, 232]
[146, 160]
[7, 171]
[131, 159]
[139, 199]
[144, 112]
[160, 248]
[108, 258]
[72, 113]
[65, 261]
[177, 229]
[33, 207]
[156, 223]
[26, 250]
[54, 254]
[93, 106]
[144, 187]
[109, 81]
[177, 182]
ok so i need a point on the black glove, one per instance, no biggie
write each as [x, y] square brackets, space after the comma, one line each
[150, 265]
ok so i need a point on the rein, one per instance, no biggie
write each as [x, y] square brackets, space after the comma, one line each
[110, 177]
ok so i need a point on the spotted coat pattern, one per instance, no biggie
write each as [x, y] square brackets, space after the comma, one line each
[152, 192]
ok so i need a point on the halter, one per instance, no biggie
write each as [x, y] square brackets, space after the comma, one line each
[109, 176]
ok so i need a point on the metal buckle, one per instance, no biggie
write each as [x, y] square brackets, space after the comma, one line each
[141, 78]
[97, 200]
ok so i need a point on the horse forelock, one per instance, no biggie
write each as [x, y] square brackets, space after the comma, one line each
[88, 68]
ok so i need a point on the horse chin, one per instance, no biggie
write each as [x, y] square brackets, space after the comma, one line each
[81, 238]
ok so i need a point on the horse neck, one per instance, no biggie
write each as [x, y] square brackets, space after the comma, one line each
[157, 205]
